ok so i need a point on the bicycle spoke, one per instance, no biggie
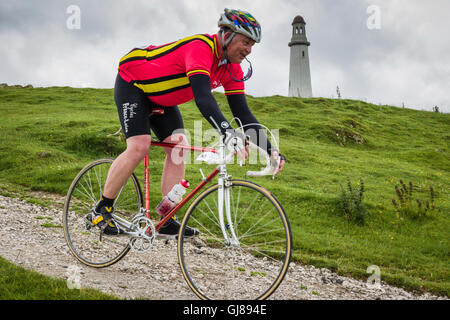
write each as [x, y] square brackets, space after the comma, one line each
[85, 191]
[236, 208]
[243, 215]
[205, 229]
[216, 221]
[88, 180]
[260, 233]
[257, 222]
[266, 250]
[100, 182]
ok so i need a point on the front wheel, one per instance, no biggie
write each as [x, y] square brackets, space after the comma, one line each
[255, 261]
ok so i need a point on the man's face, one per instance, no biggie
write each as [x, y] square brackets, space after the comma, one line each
[239, 48]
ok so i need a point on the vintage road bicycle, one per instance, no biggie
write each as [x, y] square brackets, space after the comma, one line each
[244, 246]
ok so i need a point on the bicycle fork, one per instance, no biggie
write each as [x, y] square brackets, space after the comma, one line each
[224, 205]
[225, 211]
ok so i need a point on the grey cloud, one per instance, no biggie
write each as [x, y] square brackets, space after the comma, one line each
[410, 51]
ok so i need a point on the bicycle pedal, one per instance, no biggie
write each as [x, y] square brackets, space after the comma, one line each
[88, 221]
[166, 237]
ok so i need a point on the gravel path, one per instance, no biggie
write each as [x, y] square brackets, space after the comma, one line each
[28, 239]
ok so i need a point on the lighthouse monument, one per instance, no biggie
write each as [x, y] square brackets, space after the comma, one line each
[299, 72]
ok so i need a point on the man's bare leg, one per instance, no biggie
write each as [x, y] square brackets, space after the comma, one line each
[124, 165]
[174, 171]
[174, 166]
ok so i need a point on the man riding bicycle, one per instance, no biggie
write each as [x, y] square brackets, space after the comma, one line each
[159, 78]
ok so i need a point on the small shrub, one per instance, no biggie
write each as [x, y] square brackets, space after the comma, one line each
[351, 202]
[408, 207]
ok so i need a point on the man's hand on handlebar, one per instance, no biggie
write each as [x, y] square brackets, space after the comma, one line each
[243, 153]
[278, 160]
[238, 143]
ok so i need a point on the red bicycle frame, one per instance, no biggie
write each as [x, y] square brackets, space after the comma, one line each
[189, 196]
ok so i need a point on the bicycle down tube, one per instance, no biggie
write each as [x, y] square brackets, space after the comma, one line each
[187, 197]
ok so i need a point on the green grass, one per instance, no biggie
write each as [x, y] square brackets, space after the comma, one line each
[48, 134]
[18, 283]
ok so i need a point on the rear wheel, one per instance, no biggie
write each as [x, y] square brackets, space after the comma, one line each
[252, 268]
[84, 239]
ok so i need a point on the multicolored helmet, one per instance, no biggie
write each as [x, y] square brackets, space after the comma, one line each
[241, 22]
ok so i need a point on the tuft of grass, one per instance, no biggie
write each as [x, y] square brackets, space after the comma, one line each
[51, 225]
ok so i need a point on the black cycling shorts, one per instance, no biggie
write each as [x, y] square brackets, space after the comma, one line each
[134, 109]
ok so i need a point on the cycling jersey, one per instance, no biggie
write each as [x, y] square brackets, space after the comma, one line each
[162, 72]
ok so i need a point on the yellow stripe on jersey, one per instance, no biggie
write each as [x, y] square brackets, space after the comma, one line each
[235, 91]
[154, 53]
[198, 71]
[158, 51]
[215, 48]
[163, 85]
[136, 53]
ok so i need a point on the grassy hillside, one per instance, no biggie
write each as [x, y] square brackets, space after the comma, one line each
[18, 283]
[48, 134]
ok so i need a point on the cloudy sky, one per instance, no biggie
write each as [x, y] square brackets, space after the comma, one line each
[401, 58]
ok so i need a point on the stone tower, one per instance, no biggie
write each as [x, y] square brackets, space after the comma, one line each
[299, 73]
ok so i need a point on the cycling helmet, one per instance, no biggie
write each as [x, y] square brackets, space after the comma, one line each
[241, 22]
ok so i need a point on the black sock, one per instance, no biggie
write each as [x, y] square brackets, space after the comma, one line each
[104, 202]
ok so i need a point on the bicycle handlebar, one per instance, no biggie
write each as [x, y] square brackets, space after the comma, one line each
[213, 158]
[269, 169]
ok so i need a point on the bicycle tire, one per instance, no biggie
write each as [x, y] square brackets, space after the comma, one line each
[83, 194]
[227, 272]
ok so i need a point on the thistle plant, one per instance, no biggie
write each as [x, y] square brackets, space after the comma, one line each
[407, 206]
[351, 202]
